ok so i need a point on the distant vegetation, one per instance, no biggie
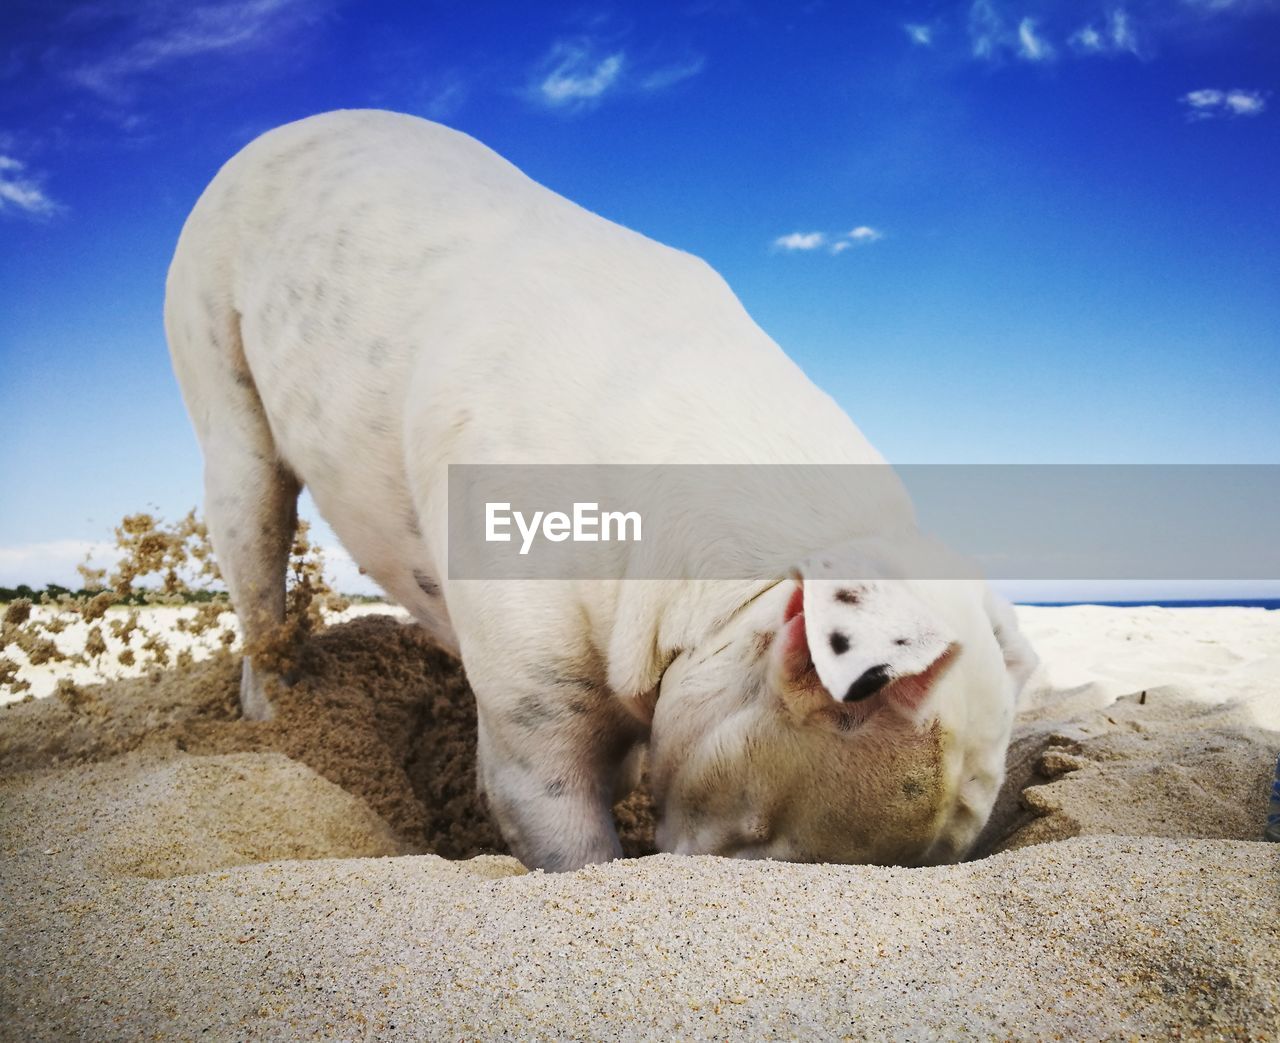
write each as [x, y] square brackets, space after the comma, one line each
[54, 592]
[160, 563]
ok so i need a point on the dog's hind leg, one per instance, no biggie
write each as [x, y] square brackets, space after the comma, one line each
[250, 494]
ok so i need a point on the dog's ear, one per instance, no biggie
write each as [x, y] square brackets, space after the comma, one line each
[1020, 658]
[859, 634]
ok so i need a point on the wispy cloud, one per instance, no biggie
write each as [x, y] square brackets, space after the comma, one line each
[1038, 31]
[1115, 35]
[1233, 6]
[578, 73]
[1087, 39]
[1031, 46]
[798, 242]
[987, 31]
[670, 75]
[1123, 37]
[444, 96]
[919, 33]
[991, 37]
[1211, 103]
[22, 192]
[161, 35]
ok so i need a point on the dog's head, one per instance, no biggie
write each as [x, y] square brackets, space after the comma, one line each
[840, 721]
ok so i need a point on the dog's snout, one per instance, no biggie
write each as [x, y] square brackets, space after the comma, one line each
[868, 684]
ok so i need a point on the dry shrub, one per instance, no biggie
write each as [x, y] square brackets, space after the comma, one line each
[160, 563]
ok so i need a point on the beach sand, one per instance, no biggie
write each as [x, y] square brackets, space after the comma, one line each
[170, 871]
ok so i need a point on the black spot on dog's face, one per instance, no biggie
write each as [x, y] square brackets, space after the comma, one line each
[555, 788]
[848, 597]
[426, 584]
[868, 684]
[902, 640]
[839, 643]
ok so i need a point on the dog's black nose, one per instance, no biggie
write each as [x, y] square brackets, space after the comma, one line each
[868, 684]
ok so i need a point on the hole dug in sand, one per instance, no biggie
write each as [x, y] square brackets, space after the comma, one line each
[372, 752]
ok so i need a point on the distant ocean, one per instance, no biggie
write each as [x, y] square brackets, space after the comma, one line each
[1269, 603]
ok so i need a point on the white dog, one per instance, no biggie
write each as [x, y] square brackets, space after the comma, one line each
[361, 298]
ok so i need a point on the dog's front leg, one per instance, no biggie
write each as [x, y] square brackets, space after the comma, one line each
[549, 771]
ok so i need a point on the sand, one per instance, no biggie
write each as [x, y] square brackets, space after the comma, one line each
[170, 871]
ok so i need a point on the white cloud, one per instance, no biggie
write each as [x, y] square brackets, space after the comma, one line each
[1216, 6]
[990, 36]
[1204, 99]
[1122, 34]
[577, 73]
[919, 34]
[1245, 103]
[161, 35]
[1088, 39]
[1209, 102]
[803, 241]
[799, 241]
[445, 96]
[670, 75]
[21, 192]
[986, 29]
[1036, 33]
[1117, 35]
[1031, 47]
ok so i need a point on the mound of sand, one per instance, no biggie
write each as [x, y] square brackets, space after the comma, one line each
[377, 711]
[172, 871]
[1153, 763]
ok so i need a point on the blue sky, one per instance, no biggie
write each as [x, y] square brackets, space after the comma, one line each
[995, 230]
